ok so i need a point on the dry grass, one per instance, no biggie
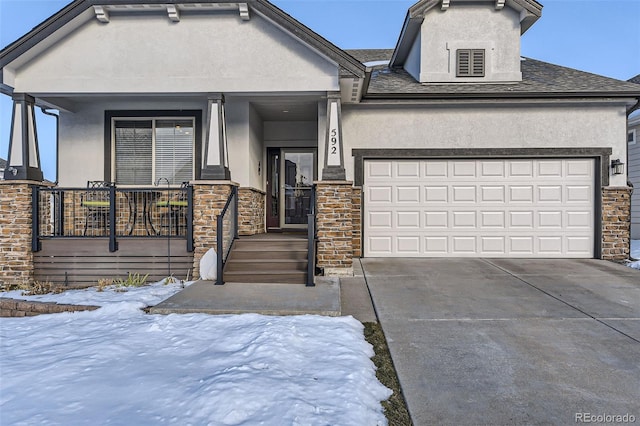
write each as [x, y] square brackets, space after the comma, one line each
[35, 288]
[395, 407]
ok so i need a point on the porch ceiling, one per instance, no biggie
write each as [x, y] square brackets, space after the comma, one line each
[287, 109]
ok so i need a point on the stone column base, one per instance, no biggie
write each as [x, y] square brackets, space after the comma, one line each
[616, 223]
[335, 227]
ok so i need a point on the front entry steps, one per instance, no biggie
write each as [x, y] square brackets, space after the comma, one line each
[268, 258]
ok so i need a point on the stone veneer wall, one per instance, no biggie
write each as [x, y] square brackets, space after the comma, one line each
[16, 257]
[356, 218]
[251, 211]
[616, 223]
[209, 199]
[24, 308]
[334, 206]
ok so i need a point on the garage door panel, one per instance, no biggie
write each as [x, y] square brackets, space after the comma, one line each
[493, 219]
[579, 245]
[435, 219]
[578, 219]
[463, 245]
[521, 194]
[408, 194]
[491, 208]
[579, 169]
[380, 219]
[492, 193]
[378, 169]
[520, 169]
[380, 245]
[408, 219]
[407, 169]
[380, 194]
[550, 219]
[493, 245]
[550, 245]
[408, 245]
[522, 219]
[492, 169]
[436, 245]
[464, 219]
[463, 169]
[579, 194]
[550, 194]
[549, 168]
[463, 194]
[436, 194]
[435, 169]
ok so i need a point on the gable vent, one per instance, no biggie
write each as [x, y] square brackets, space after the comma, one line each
[470, 63]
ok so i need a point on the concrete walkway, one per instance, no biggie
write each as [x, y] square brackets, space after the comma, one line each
[261, 298]
[479, 341]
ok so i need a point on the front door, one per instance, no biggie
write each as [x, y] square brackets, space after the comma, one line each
[290, 176]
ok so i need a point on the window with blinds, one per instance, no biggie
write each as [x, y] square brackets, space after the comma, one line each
[148, 150]
[470, 63]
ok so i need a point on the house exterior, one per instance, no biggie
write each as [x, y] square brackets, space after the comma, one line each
[451, 144]
[633, 134]
[3, 165]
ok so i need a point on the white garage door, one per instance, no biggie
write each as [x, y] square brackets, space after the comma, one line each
[479, 208]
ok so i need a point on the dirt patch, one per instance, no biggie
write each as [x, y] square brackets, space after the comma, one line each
[395, 407]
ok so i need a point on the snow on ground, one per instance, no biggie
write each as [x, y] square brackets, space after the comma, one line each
[635, 253]
[118, 365]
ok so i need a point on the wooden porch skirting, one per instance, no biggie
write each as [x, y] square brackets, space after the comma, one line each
[81, 262]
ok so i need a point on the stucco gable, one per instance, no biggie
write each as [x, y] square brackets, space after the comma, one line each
[414, 54]
[82, 17]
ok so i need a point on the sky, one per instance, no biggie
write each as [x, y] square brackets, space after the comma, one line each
[597, 36]
[118, 365]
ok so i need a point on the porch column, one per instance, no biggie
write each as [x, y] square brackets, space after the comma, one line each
[333, 155]
[215, 159]
[24, 157]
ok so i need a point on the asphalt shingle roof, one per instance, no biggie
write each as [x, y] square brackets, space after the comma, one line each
[538, 79]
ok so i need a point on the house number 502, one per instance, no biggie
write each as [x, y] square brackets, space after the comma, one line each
[334, 141]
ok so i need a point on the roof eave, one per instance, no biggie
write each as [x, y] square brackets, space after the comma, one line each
[511, 95]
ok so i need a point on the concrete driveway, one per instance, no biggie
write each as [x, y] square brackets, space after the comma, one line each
[498, 341]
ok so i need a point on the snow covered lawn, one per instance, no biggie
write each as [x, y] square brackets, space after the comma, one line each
[120, 366]
[635, 253]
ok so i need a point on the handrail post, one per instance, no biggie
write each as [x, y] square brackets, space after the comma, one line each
[35, 218]
[113, 244]
[311, 240]
[219, 246]
[190, 219]
[59, 221]
[235, 216]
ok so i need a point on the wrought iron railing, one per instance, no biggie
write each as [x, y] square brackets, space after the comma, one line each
[110, 212]
[226, 232]
[311, 238]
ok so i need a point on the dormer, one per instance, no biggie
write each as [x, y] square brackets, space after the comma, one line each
[464, 41]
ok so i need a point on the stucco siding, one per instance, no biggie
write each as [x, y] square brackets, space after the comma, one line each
[147, 53]
[82, 133]
[485, 127]
[634, 177]
[471, 27]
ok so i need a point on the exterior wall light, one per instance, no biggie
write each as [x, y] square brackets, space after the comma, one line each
[617, 167]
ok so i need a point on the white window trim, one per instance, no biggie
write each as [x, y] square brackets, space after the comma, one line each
[634, 138]
[153, 145]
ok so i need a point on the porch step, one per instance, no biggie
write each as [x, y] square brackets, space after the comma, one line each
[243, 265]
[280, 277]
[268, 259]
